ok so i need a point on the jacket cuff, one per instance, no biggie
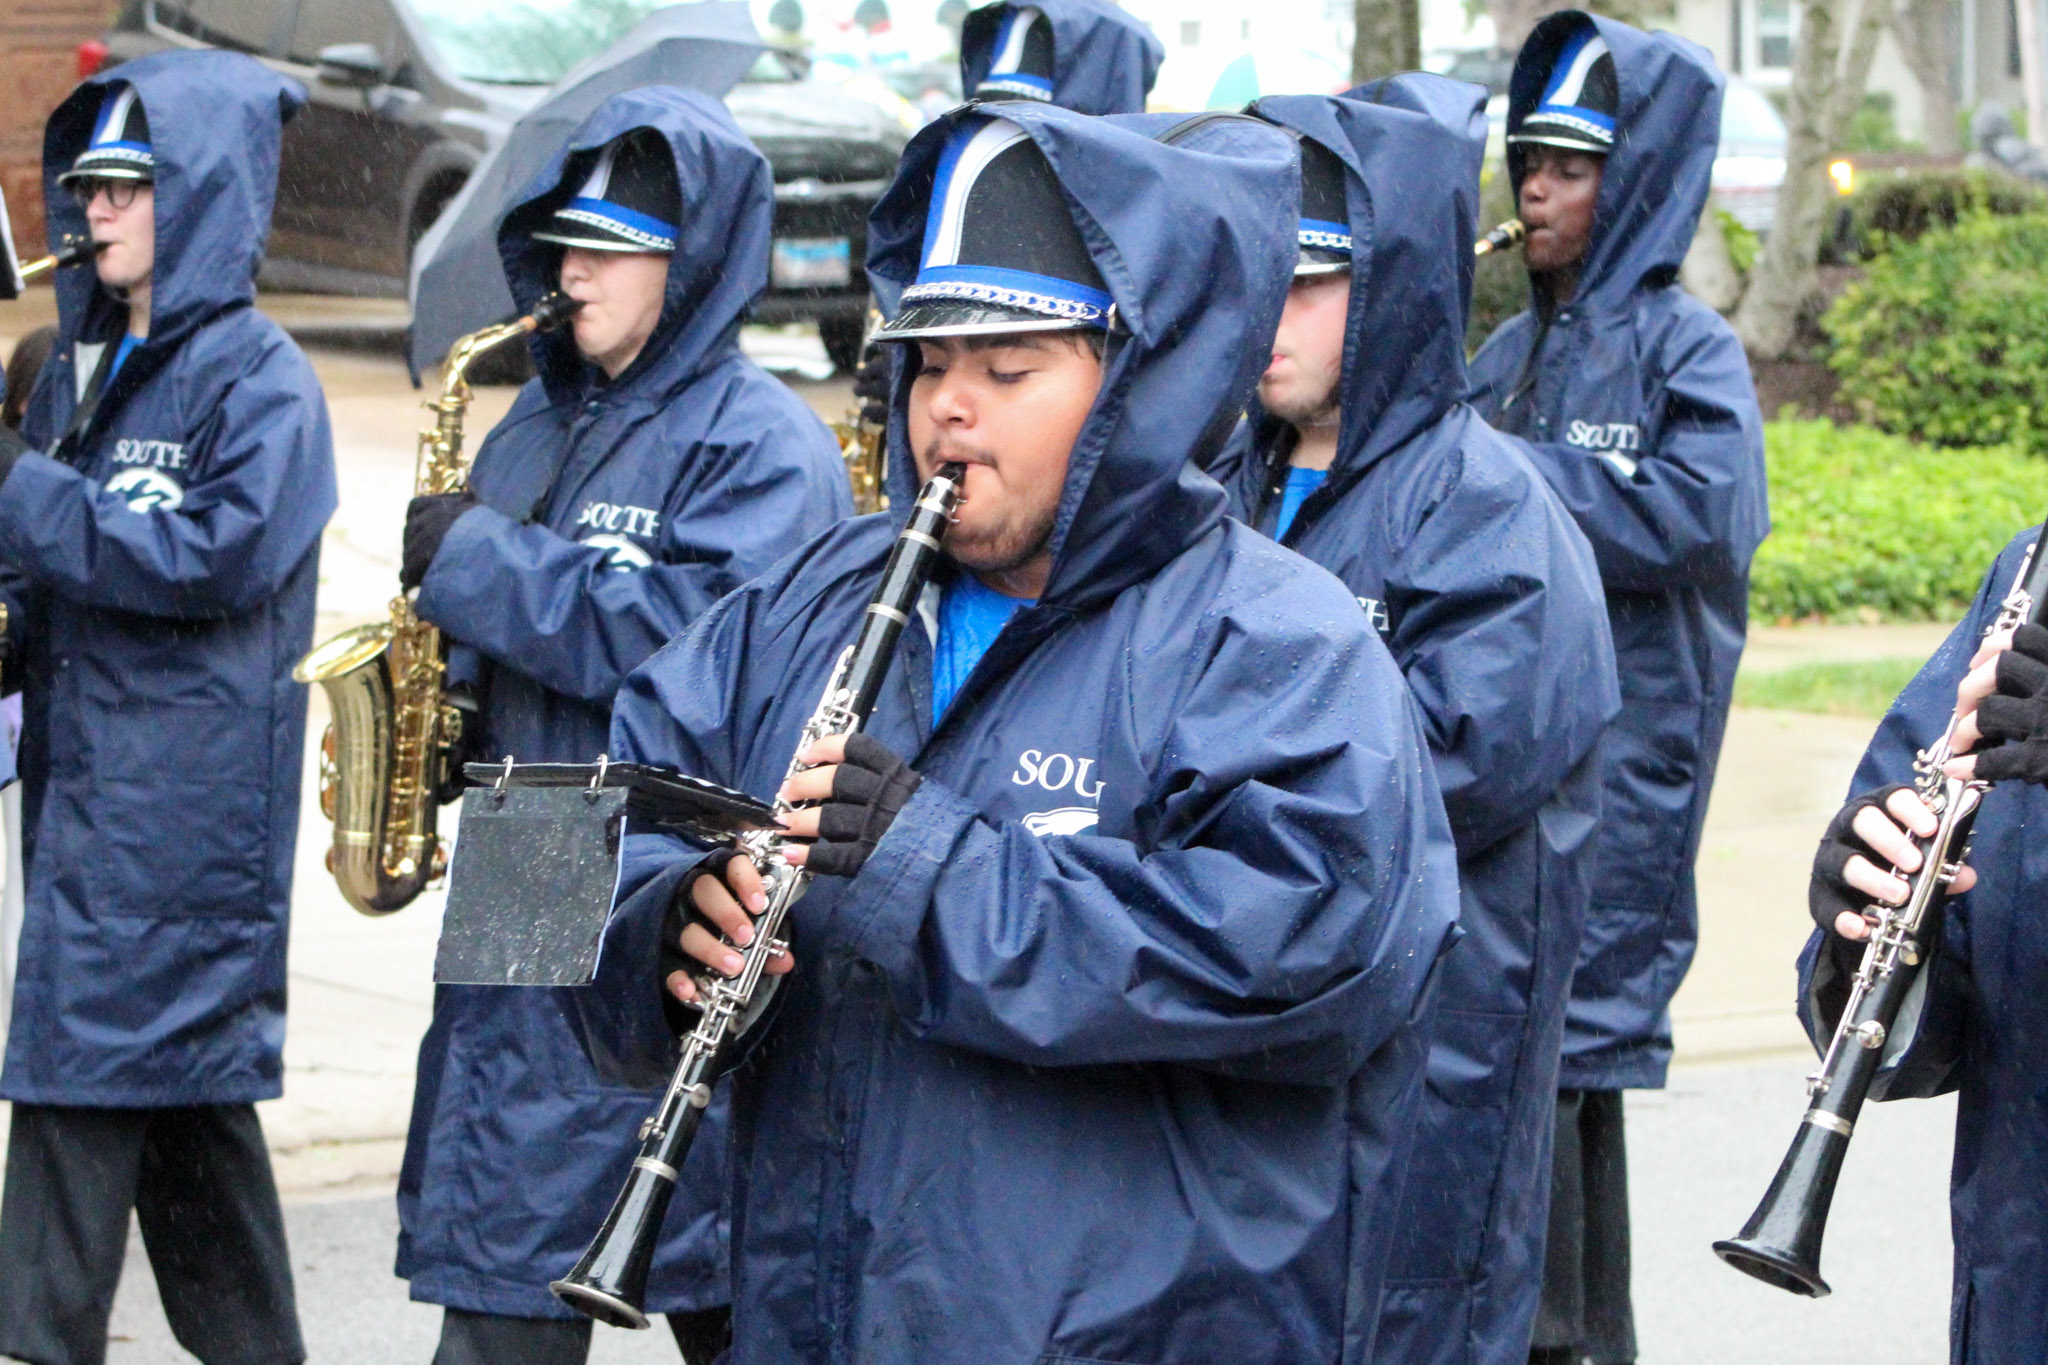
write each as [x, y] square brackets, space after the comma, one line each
[884, 908]
[468, 541]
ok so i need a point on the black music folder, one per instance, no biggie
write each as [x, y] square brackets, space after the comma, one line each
[537, 861]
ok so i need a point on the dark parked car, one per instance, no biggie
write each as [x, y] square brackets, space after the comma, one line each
[405, 99]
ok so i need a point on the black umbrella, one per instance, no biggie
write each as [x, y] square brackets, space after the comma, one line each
[458, 284]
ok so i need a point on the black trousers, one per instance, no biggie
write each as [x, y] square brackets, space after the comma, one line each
[198, 1180]
[482, 1339]
[1586, 1313]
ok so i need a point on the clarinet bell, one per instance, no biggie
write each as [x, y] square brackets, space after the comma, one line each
[1780, 1244]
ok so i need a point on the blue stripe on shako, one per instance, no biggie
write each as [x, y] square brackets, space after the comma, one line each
[1022, 64]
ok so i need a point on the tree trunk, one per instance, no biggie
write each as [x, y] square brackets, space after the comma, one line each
[1784, 274]
[1387, 38]
[1927, 33]
[1855, 77]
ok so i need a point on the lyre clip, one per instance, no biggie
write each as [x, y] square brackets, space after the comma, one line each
[604, 763]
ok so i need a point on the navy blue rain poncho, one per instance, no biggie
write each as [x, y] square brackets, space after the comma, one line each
[1488, 597]
[616, 514]
[1979, 1025]
[1637, 404]
[1104, 60]
[161, 572]
[1142, 1091]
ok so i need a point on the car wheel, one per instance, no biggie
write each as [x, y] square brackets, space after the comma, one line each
[842, 338]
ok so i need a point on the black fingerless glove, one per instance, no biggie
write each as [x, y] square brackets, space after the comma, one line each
[871, 386]
[871, 786]
[682, 913]
[2014, 719]
[1828, 893]
[428, 520]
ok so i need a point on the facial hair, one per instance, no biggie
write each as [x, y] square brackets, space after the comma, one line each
[1021, 536]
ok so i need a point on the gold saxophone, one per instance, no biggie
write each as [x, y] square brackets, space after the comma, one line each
[393, 732]
[860, 444]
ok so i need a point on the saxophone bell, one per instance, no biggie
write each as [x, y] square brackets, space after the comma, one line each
[392, 738]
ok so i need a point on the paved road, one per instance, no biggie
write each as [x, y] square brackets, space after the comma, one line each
[1701, 1154]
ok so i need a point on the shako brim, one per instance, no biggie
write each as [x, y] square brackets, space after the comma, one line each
[104, 164]
[964, 317]
[1549, 133]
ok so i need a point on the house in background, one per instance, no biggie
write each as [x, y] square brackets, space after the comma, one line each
[1754, 38]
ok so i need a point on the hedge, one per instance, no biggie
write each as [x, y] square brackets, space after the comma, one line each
[1867, 526]
[1946, 338]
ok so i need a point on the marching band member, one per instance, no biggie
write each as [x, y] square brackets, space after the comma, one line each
[160, 532]
[1637, 405]
[1982, 1015]
[1361, 455]
[646, 471]
[1086, 55]
[1106, 1029]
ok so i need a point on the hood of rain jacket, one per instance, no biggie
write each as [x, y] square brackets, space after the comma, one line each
[1104, 60]
[1487, 595]
[616, 513]
[1978, 1017]
[1111, 1051]
[162, 568]
[1637, 405]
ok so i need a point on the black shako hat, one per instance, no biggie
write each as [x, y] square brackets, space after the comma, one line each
[1580, 97]
[1001, 252]
[1022, 65]
[119, 148]
[1325, 235]
[631, 200]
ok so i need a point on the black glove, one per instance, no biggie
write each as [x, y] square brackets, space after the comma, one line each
[12, 448]
[682, 913]
[1828, 893]
[871, 386]
[2014, 719]
[427, 523]
[871, 786]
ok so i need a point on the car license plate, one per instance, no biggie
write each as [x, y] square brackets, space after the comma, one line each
[812, 262]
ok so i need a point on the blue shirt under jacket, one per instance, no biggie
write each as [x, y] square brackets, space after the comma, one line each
[1111, 1051]
[1977, 1023]
[1487, 594]
[615, 514]
[1636, 401]
[162, 563]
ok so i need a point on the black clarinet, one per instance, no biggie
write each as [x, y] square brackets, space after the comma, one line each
[1780, 1244]
[610, 1282]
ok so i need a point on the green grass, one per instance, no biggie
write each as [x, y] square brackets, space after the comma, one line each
[1830, 689]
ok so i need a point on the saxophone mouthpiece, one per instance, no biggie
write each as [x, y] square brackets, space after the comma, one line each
[1506, 235]
[552, 311]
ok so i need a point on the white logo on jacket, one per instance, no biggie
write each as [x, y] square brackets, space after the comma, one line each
[621, 554]
[616, 517]
[1376, 613]
[145, 490]
[158, 454]
[1057, 773]
[1604, 436]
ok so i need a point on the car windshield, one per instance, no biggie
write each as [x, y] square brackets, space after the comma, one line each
[526, 42]
[1749, 120]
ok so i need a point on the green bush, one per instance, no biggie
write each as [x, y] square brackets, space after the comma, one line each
[1946, 338]
[1890, 208]
[1869, 526]
[1859, 688]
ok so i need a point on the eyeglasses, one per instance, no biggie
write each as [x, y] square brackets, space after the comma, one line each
[120, 193]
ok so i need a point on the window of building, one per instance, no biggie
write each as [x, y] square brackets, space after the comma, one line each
[1776, 25]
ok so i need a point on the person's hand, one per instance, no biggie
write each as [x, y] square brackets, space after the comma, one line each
[1868, 837]
[428, 520]
[2004, 699]
[860, 785]
[713, 915]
